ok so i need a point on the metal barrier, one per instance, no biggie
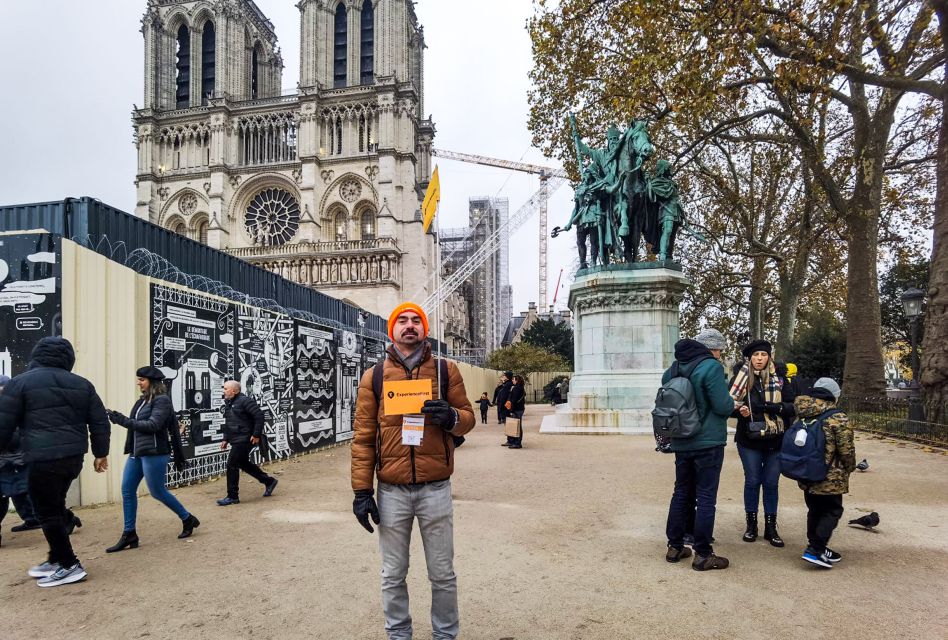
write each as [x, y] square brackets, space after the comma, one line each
[141, 245]
[897, 417]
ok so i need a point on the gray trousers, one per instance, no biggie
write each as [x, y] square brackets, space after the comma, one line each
[399, 505]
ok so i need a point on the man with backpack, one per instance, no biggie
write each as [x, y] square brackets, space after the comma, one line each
[412, 453]
[819, 452]
[693, 406]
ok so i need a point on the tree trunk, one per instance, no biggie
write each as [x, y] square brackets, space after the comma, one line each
[934, 373]
[755, 323]
[791, 288]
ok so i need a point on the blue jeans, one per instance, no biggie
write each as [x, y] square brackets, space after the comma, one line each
[761, 468]
[399, 505]
[153, 469]
[697, 474]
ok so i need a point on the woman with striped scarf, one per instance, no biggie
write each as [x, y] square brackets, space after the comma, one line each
[760, 428]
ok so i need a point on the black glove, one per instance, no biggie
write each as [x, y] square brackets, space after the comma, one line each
[441, 413]
[180, 463]
[773, 408]
[363, 505]
[116, 418]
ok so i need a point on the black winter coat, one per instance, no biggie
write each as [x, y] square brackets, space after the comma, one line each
[242, 418]
[783, 410]
[502, 393]
[153, 429]
[57, 412]
[518, 398]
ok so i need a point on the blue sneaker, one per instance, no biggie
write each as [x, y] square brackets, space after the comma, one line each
[224, 502]
[44, 570]
[831, 556]
[63, 575]
[811, 556]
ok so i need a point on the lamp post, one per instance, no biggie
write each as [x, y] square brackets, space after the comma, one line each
[912, 299]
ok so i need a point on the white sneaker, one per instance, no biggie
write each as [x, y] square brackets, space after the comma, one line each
[44, 570]
[64, 575]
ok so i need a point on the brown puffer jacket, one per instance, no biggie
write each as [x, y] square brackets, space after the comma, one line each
[377, 444]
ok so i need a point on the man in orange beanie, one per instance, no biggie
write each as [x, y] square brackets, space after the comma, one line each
[413, 474]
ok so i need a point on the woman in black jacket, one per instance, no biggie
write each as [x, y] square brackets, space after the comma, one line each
[518, 404]
[761, 421]
[152, 435]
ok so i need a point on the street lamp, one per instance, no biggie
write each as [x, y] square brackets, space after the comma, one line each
[912, 306]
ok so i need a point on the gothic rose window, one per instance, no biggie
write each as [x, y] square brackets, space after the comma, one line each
[272, 217]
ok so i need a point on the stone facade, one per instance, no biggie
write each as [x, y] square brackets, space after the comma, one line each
[322, 186]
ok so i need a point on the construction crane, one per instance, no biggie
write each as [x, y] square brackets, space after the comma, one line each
[550, 180]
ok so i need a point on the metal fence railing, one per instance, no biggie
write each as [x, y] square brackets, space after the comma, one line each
[897, 417]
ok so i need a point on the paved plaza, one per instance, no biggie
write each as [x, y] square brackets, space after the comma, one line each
[563, 539]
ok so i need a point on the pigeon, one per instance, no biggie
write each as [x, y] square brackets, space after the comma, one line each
[869, 521]
[862, 466]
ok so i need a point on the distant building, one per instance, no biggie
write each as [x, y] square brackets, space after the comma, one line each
[486, 296]
[323, 186]
[518, 325]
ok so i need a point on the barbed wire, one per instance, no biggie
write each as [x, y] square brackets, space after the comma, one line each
[148, 263]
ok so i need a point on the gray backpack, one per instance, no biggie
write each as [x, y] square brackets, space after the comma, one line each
[676, 413]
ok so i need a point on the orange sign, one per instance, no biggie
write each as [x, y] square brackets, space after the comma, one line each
[405, 396]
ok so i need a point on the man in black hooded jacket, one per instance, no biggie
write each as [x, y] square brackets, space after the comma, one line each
[57, 413]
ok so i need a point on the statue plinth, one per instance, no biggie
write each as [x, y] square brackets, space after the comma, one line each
[626, 328]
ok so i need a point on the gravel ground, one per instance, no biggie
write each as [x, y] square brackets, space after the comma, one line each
[563, 539]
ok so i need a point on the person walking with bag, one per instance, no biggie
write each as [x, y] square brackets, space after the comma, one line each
[518, 405]
[152, 436]
[412, 455]
[58, 414]
[761, 421]
[243, 430]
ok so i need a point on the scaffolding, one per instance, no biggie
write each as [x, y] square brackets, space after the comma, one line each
[486, 291]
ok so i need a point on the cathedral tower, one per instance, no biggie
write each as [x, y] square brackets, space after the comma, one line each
[322, 186]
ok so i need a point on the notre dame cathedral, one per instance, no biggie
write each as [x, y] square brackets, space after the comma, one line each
[323, 186]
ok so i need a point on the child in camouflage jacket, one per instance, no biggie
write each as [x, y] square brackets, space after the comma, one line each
[824, 499]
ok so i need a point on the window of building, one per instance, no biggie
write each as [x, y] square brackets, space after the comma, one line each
[367, 52]
[183, 67]
[180, 228]
[340, 227]
[338, 135]
[208, 53]
[201, 232]
[368, 225]
[255, 72]
[340, 42]
[362, 132]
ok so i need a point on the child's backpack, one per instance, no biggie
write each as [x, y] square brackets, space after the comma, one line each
[806, 462]
[676, 413]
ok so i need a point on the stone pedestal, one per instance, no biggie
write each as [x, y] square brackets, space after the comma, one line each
[626, 328]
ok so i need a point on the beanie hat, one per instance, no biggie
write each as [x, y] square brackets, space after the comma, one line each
[755, 346]
[791, 369]
[4, 380]
[712, 339]
[825, 389]
[150, 373]
[402, 308]
[509, 375]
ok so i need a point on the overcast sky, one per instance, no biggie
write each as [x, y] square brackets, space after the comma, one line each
[71, 72]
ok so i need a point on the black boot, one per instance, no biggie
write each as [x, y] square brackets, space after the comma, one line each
[751, 533]
[128, 539]
[189, 524]
[770, 529]
[73, 524]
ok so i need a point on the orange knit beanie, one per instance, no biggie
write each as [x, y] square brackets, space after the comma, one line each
[402, 308]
